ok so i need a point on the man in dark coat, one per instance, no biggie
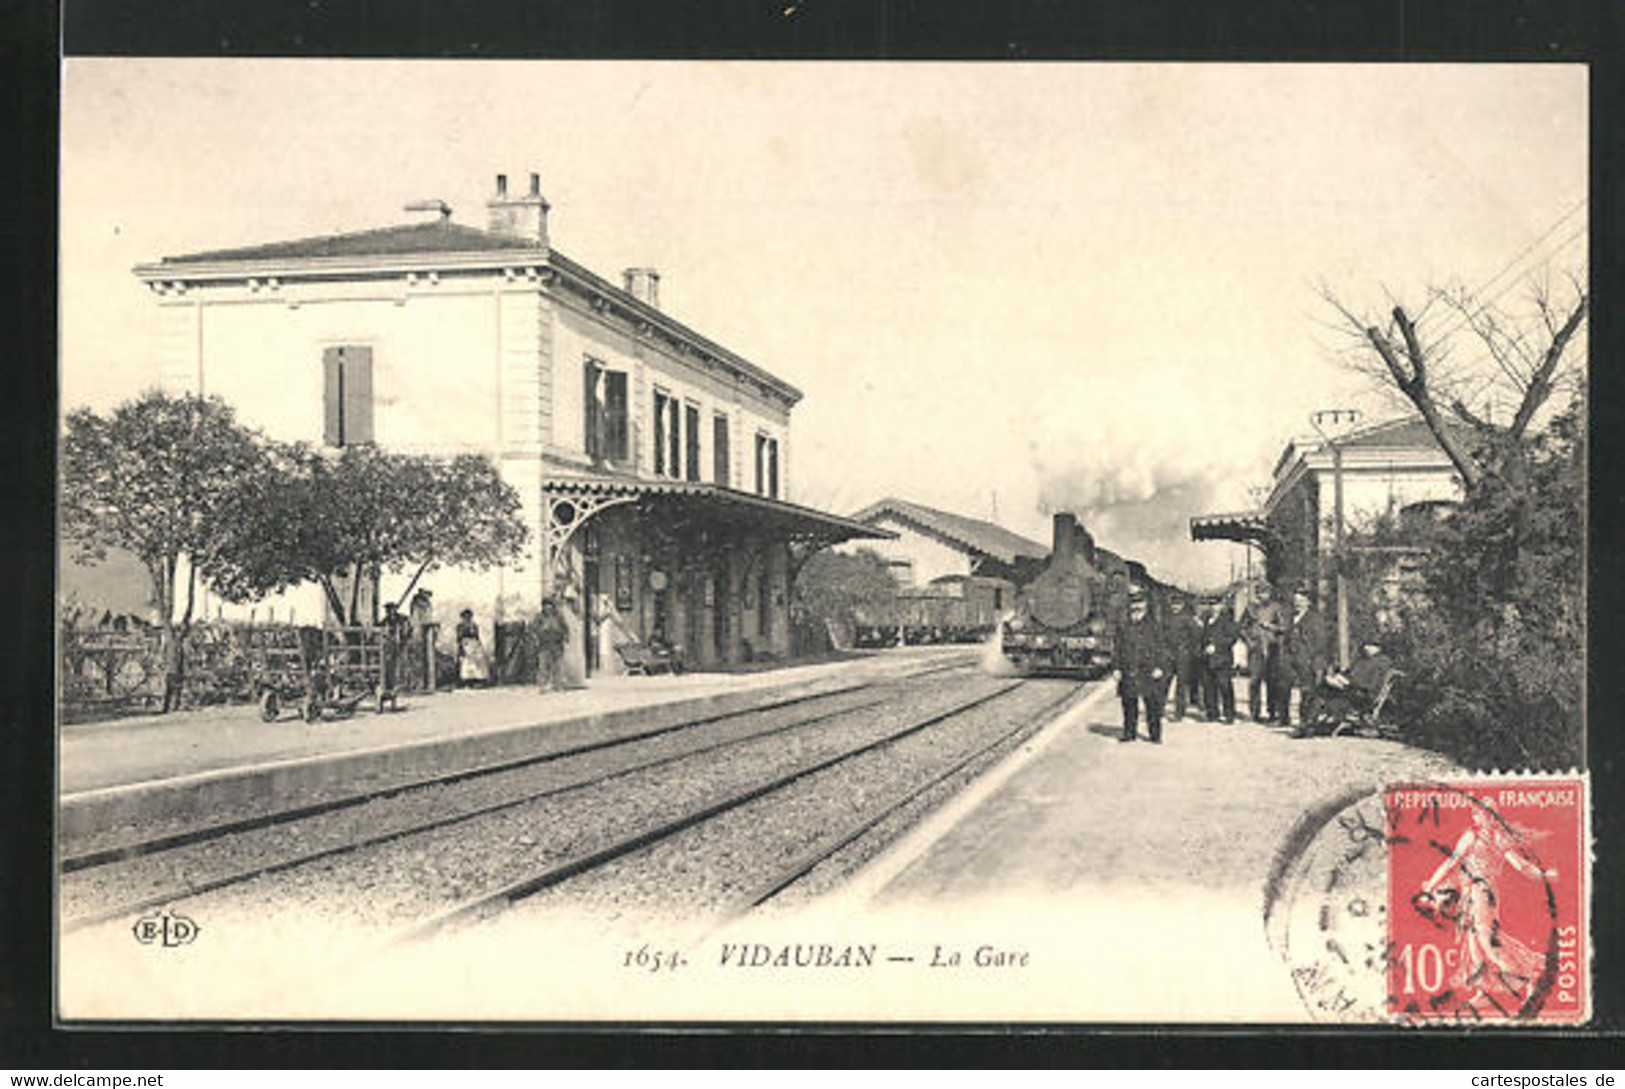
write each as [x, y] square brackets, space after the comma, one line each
[1185, 637]
[1144, 660]
[1303, 658]
[1219, 635]
[1262, 626]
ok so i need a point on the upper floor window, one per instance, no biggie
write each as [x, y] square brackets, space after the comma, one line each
[347, 394]
[668, 436]
[719, 449]
[691, 432]
[605, 431]
[767, 466]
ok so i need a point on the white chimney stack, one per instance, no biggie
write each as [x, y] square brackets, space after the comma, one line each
[524, 217]
[643, 284]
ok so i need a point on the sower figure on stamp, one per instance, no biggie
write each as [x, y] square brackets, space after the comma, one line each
[551, 635]
[1219, 637]
[1144, 659]
[1303, 658]
[1261, 626]
[1185, 637]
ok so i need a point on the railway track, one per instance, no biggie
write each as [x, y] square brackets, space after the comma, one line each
[204, 878]
[764, 887]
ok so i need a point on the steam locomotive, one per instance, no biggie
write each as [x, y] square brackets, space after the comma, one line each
[1067, 615]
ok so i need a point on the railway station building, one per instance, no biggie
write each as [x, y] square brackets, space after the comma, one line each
[931, 544]
[1391, 467]
[654, 465]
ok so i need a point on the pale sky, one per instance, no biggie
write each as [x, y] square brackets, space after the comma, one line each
[1085, 286]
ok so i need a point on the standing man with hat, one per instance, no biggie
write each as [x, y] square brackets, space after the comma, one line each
[1144, 660]
[1219, 637]
[1185, 636]
[1304, 658]
[1261, 627]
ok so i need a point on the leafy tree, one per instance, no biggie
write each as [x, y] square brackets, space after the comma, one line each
[833, 585]
[159, 477]
[320, 515]
[1493, 636]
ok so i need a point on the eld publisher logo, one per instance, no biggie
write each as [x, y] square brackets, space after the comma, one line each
[165, 929]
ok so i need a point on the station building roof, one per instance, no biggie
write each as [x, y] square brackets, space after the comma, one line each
[440, 243]
[968, 534]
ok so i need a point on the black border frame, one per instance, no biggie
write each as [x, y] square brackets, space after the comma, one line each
[35, 35]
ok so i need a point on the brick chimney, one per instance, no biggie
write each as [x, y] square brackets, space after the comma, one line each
[643, 284]
[521, 216]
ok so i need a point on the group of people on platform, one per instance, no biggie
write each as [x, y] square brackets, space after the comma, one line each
[409, 656]
[1194, 658]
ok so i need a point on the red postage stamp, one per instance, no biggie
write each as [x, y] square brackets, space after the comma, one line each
[1487, 901]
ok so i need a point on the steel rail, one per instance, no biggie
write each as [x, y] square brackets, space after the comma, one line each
[497, 899]
[124, 852]
[241, 876]
[806, 862]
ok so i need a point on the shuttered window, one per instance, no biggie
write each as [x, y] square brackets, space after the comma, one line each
[719, 449]
[660, 433]
[604, 427]
[767, 466]
[591, 422]
[691, 421]
[347, 395]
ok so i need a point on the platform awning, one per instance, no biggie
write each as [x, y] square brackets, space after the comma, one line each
[693, 502]
[1248, 527]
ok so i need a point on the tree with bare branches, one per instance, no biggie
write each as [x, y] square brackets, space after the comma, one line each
[1496, 635]
[1511, 360]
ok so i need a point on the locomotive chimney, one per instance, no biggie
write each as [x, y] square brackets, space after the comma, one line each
[1066, 536]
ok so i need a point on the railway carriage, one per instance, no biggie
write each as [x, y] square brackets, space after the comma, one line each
[950, 609]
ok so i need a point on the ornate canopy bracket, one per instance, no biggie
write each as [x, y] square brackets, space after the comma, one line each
[568, 513]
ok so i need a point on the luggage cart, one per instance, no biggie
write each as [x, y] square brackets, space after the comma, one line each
[357, 664]
[322, 671]
[280, 663]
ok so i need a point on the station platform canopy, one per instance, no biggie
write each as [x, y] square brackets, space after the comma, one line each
[1246, 527]
[681, 505]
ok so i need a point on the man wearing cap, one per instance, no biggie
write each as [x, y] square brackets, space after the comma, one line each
[1261, 627]
[1185, 637]
[1219, 637]
[1303, 659]
[1144, 660]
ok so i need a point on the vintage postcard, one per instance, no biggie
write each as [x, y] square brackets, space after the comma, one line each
[584, 542]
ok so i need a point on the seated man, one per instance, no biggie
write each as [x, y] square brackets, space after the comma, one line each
[1345, 694]
[664, 650]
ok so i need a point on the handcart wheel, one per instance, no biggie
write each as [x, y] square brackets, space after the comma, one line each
[270, 706]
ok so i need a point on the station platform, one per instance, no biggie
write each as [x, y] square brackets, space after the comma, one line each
[187, 764]
[1144, 865]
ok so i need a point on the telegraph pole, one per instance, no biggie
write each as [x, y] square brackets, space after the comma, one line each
[1341, 418]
